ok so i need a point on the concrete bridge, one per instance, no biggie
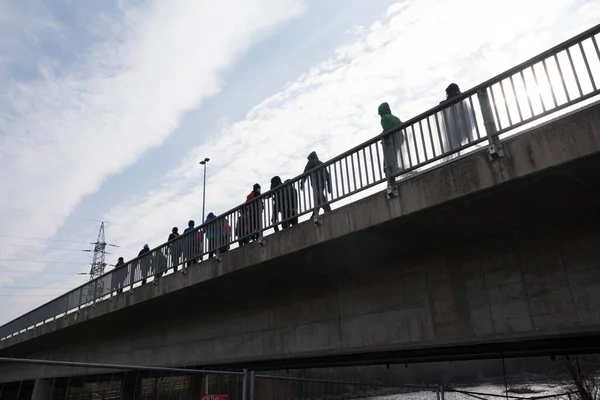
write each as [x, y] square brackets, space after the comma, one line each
[494, 253]
[472, 259]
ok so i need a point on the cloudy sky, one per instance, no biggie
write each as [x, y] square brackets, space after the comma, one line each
[106, 106]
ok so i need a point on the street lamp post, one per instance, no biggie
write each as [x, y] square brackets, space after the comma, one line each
[204, 162]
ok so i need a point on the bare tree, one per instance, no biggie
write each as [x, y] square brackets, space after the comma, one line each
[585, 374]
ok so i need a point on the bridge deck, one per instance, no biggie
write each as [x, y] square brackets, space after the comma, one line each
[474, 256]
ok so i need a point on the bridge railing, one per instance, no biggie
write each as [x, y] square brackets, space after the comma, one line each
[559, 79]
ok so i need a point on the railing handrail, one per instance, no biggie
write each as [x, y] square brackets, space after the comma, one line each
[326, 164]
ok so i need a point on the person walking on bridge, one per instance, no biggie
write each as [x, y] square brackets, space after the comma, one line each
[144, 263]
[391, 143]
[118, 276]
[175, 248]
[211, 234]
[192, 246]
[320, 180]
[254, 212]
[285, 201]
[457, 120]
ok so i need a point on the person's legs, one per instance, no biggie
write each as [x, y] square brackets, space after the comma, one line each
[326, 207]
[321, 200]
[390, 159]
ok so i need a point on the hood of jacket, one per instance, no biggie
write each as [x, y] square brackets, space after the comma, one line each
[384, 109]
[275, 181]
[210, 216]
[452, 90]
[313, 156]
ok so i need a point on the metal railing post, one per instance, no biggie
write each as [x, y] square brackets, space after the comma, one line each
[495, 149]
[437, 392]
[252, 378]
[245, 385]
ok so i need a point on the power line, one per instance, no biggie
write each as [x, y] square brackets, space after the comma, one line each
[44, 261]
[34, 287]
[16, 271]
[72, 216]
[46, 239]
[45, 213]
[28, 295]
[38, 247]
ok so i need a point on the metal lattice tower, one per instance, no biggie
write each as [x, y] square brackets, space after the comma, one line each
[98, 264]
[99, 258]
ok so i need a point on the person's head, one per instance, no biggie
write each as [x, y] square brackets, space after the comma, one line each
[191, 223]
[175, 230]
[256, 188]
[313, 156]
[121, 260]
[275, 181]
[146, 247]
[384, 109]
[452, 90]
[210, 216]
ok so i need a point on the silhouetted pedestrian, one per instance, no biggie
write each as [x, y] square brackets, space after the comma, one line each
[320, 180]
[144, 263]
[118, 276]
[210, 231]
[458, 120]
[175, 248]
[290, 205]
[285, 202]
[254, 212]
[391, 143]
[192, 248]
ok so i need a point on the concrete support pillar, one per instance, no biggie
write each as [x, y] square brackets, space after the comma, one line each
[131, 385]
[42, 389]
[196, 386]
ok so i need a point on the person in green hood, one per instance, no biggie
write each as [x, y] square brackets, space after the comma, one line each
[390, 146]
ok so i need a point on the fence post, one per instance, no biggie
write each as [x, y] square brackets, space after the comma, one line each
[437, 392]
[245, 385]
[252, 379]
[442, 396]
[495, 149]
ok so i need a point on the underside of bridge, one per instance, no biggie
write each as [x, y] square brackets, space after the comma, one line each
[512, 270]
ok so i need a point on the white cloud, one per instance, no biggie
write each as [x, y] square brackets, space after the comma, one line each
[64, 132]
